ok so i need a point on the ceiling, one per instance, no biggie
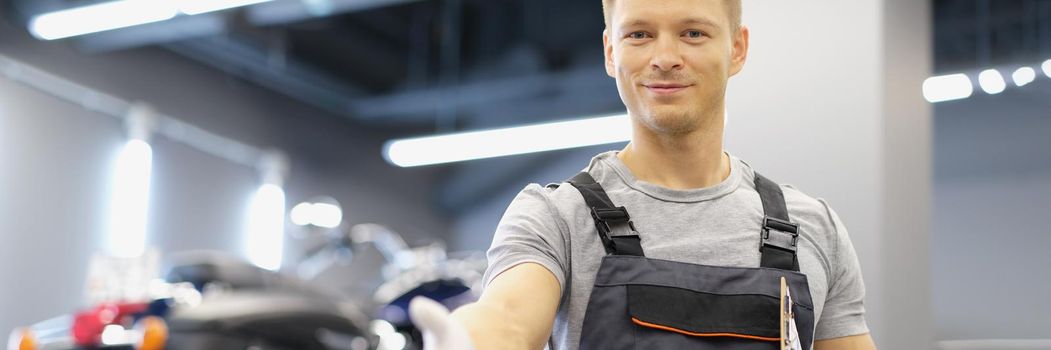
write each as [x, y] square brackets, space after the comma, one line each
[972, 34]
[404, 64]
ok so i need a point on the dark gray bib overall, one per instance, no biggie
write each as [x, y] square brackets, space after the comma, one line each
[644, 303]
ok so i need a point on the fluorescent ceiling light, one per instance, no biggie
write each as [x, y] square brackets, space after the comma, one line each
[301, 214]
[991, 81]
[1046, 67]
[99, 17]
[129, 199]
[1023, 76]
[507, 141]
[266, 227]
[325, 215]
[193, 7]
[947, 88]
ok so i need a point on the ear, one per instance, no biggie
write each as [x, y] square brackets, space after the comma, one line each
[607, 48]
[740, 51]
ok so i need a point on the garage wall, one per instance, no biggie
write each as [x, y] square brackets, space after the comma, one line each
[52, 200]
[992, 192]
[55, 159]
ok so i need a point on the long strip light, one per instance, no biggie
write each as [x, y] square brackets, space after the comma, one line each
[507, 141]
[264, 242]
[100, 17]
[121, 14]
[129, 198]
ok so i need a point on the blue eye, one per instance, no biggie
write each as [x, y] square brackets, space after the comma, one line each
[637, 35]
[694, 34]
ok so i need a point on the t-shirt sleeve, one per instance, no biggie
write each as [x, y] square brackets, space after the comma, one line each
[529, 231]
[844, 311]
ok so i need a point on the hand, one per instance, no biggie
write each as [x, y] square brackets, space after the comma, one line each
[440, 331]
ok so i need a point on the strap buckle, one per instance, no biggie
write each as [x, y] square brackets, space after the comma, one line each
[604, 217]
[618, 214]
[783, 228]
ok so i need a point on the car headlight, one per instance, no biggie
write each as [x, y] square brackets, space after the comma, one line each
[22, 339]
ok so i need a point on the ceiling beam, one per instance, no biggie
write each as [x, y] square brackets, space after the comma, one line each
[421, 104]
[290, 11]
[284, 76]
[176, 29]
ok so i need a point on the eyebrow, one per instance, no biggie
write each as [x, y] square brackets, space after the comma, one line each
[691, 20]
[699, 20]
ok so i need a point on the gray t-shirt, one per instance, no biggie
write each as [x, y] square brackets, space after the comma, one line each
[717, 225]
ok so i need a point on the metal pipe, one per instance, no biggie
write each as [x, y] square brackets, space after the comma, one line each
[984, 54]
[106, 104]
[445, 119]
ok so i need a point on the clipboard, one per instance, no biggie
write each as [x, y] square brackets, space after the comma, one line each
[789, 333]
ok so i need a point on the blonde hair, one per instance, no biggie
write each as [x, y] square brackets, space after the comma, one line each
[733, 7]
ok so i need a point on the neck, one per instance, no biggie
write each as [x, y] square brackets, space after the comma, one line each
[678, 161]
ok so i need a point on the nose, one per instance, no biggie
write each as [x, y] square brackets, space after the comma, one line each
[666, 55]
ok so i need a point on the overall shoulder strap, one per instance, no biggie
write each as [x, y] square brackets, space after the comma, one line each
[609, 219]
[779, 234]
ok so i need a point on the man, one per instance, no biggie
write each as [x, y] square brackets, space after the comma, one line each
[568, 268]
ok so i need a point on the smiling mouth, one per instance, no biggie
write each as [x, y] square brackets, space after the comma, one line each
[666, 89]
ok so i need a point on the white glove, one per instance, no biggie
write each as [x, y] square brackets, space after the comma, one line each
[440, 331]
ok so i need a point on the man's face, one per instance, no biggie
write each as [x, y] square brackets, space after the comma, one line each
[672, 59]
